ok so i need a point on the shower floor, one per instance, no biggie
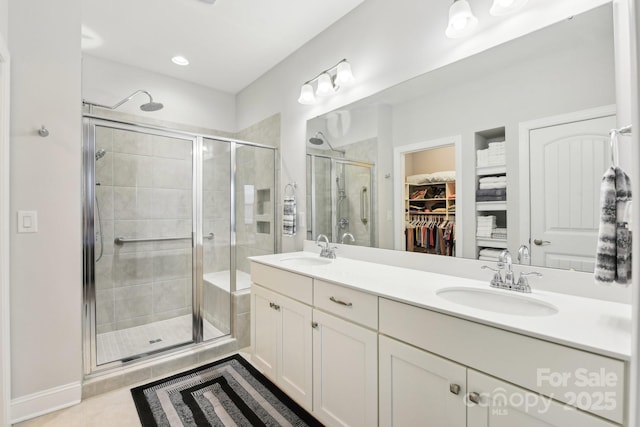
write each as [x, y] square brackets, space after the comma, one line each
[117, 345]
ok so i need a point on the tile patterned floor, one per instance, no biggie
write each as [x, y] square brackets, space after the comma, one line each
[111, 409]
[147, 338]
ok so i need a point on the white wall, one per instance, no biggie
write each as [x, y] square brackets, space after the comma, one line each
[386, 43]
[108, 82]
[46, 267]
[4, 19]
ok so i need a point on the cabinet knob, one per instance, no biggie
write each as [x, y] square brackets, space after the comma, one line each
[454, 388]
[271, 305]
[314, 325]
[276, 307]
[474, 397]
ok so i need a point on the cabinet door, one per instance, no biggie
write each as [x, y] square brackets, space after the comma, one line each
[264, 331]
[501, 404]
[345, 372]
[419, 388]
[295, 339]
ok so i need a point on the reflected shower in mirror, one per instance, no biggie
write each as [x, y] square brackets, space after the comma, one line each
[531, 118]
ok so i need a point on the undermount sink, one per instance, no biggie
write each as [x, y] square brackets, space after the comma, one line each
[305, 261]
[498, 301]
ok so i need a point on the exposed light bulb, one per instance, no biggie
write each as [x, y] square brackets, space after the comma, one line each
[306, 95]
[325, 85]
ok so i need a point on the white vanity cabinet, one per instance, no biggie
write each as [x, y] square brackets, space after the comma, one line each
[345, 356]
[546, 371]
[419, 388]
[281, 333]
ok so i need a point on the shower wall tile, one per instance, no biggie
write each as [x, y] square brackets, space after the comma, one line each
[107, 238]
[125, 141]
[105, 310]
[171, 264]
[136, 321]
[132, 170]
[136, 291]
[133, 268]
[133, 308]
[172, 148]
[172, 173]
[105, 200]
[172, 228]
[171, 295]
[104, 272]
[104, 168]
[171, 314]
[104, 138]
[171, 204]
[132, 203]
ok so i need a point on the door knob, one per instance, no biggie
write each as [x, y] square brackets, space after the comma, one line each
[539, 242]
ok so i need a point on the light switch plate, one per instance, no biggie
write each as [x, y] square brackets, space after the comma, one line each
[27, 221]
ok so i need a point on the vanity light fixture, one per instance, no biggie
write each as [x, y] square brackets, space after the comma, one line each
[180, 60]
[505, 7]
[327, 82]
[461, 19]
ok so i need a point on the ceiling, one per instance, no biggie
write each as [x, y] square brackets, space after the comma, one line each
[229, 44]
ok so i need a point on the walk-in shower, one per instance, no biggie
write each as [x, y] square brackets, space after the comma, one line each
[170, 218]
[340, 199]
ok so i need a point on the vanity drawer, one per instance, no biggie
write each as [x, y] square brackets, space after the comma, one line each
[293, 285]
[554, 370]
[356, 306]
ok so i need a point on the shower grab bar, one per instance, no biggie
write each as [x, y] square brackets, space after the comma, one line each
[363, 195]
[123, 240]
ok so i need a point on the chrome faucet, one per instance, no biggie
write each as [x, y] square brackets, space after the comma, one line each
[327, 251]
[524, 257]
[504, 261]
[347, 235]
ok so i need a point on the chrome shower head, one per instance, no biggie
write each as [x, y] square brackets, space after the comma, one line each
[152, 106]
[149, 106]
[100, 154]
[319, 139]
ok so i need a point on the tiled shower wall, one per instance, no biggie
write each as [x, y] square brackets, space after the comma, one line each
[144, 191]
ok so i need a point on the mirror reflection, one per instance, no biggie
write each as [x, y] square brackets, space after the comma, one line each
[502, 150]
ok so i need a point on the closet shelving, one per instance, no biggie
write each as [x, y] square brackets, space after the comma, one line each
[491, 166]
[435, 205]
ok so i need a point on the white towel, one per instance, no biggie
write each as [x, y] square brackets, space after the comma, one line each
[492, 185]
[613, 254]
[289, 216]
[489, 179]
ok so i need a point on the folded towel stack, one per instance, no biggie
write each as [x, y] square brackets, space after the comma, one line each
[499, 233]
[489, 254]
[495, 155]
[485, 226]
[492, 182]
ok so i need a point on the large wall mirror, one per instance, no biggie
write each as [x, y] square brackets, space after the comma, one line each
[502, 149]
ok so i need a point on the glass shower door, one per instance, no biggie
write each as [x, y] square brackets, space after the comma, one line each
[143, 240]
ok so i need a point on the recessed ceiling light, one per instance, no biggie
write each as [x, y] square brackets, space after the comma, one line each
[180, 60]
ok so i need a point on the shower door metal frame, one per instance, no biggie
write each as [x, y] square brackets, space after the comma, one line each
[334, 237]
[88, 194]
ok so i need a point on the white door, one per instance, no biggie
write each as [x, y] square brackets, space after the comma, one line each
[417, 387]
[570, 160]
[264, 331]
[345, 373]
[295, 340]
[501, 404]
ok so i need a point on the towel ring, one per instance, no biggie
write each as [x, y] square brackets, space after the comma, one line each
[292, 187]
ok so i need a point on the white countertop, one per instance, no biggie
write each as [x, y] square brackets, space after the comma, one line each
[588, 324]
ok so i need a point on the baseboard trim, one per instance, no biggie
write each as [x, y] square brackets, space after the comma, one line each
[43, 402]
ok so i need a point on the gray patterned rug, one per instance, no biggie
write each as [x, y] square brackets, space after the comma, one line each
[229, 392]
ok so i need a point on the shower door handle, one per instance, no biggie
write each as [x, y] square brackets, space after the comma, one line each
[363, 197]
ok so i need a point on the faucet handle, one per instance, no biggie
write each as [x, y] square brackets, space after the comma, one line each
[496, 281]
[523, 282]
